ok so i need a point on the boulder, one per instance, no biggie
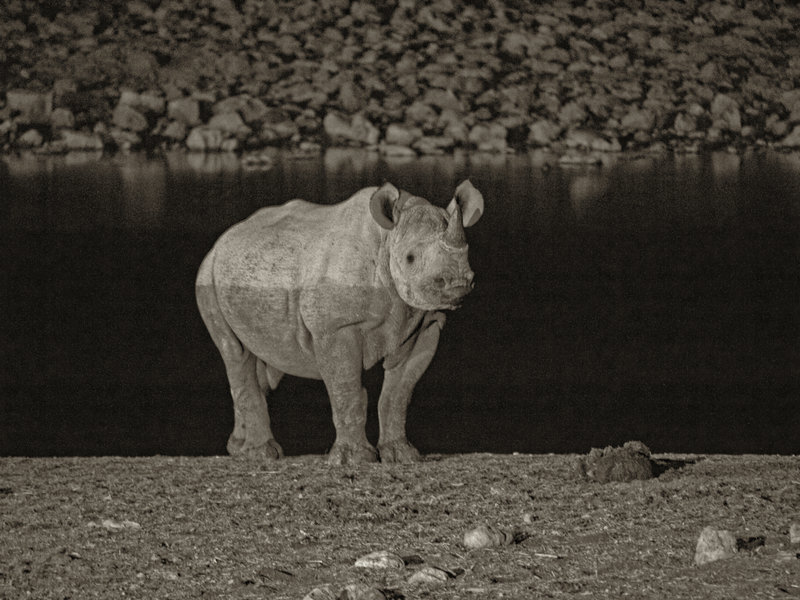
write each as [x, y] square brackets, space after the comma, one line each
[351, 97]
[422, 115]
[571, 114]
[147, 102]
[684, 124]
[793, 139]
[229, 123]
[402, 135]
[62, 118]
[174, 130]
[30, 108]
[251, 110]
[70, 140]
[489, 137]
[638, 119]
[433, 144]
[543, 132]
[30, 139]
[357, 129]
[128, 118]
[725, 112]
[204, 139]
[185, 110]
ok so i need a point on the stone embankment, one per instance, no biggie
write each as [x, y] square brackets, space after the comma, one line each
[406, 77]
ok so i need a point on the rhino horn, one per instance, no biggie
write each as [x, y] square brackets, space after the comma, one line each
[454, 236]
[470, 200]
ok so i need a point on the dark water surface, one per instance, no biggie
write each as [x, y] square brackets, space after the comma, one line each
[652, 299]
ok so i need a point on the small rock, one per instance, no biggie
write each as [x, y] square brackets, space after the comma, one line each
[30, 139]
[113, 525]
[360, 591]
[484, 536]
[184, 110]
[32, 108]
[714, 544]
[382, 559]
[429, 575]
[128, 118]
[324, 592]
[794, 533]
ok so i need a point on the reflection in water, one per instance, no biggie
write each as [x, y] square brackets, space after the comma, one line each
[652, 299]
[585, 190]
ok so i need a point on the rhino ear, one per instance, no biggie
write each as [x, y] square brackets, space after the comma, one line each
[381, 205]
[469, 200]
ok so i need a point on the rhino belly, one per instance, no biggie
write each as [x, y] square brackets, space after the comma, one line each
[267, 322]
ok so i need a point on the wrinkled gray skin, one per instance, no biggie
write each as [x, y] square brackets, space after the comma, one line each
[327, 291]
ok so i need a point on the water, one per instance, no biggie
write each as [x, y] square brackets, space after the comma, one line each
[655, 298]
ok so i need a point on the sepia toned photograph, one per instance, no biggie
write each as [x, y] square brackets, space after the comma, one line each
[398, 300]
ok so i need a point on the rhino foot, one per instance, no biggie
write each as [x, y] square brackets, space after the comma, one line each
[398, 451]
[351, 454]
[268, 450]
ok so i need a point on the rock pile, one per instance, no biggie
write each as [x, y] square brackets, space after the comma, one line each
[406, 77]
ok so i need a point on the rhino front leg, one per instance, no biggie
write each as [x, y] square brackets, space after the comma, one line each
[401, 375]
[340, 362]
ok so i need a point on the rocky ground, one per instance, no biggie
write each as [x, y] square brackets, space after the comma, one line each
[405, 77]
[468, 526]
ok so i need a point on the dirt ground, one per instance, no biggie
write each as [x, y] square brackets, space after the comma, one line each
[219, 527]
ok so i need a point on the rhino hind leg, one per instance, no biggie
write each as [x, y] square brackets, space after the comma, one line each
[249, 378]
[250, 384]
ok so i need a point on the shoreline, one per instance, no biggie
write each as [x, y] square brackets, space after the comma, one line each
[405, 81]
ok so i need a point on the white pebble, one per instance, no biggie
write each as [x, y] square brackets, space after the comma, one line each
[382, 559]
[714, 544]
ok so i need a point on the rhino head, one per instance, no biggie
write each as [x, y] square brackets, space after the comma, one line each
[427, 249]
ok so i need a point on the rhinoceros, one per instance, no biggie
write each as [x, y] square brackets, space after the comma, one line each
[326, 291]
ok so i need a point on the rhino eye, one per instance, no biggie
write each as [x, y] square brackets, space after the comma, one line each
[410, 259]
